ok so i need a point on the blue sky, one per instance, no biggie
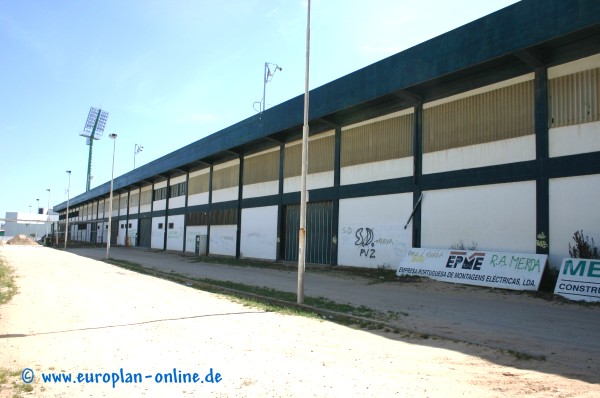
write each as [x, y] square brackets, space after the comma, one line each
[171, 72]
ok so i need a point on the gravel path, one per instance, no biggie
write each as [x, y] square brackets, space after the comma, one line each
[564, 333]
[74, 314]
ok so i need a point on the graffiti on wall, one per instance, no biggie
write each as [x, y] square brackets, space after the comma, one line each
[372, 245]
[364, 239]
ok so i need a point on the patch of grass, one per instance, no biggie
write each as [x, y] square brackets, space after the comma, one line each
[276, 300]
[523, 356]
[376, 275]
[10, 380]
[8, 287]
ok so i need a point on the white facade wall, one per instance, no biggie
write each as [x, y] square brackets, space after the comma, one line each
[499, 217]
[371, 230]
[122, 232]
[480, 155]
[572, 140]
[157, 240]
[159, 204]
[223, 240]
[178, 201]
[313, 181]
[88, 233]
[266, 188]
[574, 206]
[225, 195]
[134, 205]
[101, 233]
[573, 200]
[494, 153]
[376, 171]
[175, 234]
[101, 209]
[261, 189]
[132, 232]
[148, 207]
[123, 204]
[190, 236]
[259, 233]
[198, 199]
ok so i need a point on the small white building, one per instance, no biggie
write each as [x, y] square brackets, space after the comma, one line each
[32, 225]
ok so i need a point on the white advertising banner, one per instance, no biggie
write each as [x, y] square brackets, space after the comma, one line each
[579, 279]
[516, 271]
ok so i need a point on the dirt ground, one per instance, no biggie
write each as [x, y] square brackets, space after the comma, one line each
[76, 315]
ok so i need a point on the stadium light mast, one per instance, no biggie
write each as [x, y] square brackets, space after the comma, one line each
[94, 127]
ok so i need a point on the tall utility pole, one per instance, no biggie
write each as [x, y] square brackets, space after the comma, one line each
[302, 232]
[110, 200]
[94, 127]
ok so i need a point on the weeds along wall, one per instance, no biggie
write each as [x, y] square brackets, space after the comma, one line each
[509, 163]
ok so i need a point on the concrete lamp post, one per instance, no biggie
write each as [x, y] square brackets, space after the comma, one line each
[113, 137]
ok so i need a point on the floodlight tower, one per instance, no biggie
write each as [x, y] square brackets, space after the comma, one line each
[94, 127]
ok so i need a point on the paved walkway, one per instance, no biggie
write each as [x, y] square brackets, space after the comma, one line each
[566, 334]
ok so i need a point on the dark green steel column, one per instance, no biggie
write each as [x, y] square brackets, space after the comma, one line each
[335, 222]
[417, 173]
[542, 155]
[209, 216]
[239, 208]
[187, 180]
[280, 213]
[166, 225]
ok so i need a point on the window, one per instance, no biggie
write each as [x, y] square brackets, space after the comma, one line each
[122, 226]
[177, 190]
[129, 225]
[160, 225]
[160, 193]
[171, 225]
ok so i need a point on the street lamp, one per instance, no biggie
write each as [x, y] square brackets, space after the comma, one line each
[67, 217]
[268, 76]
[113, 137]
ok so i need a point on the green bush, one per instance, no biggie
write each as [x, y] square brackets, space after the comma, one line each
[582, 247]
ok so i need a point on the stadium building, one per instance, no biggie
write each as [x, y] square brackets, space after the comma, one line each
[489, 133]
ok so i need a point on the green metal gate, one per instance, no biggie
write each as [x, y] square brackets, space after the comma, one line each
[114, 231]
[319, 232]
[145, 232]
